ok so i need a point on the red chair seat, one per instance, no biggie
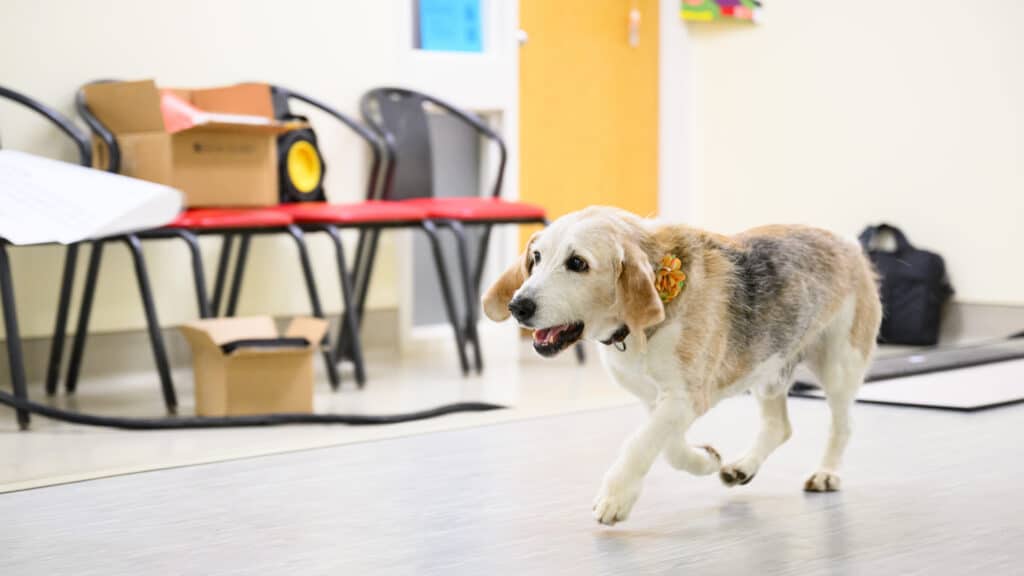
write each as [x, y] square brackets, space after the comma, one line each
[477, 209]
[217, 218]
[369, 212]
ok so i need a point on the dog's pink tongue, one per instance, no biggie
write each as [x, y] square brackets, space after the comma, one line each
[548, 335]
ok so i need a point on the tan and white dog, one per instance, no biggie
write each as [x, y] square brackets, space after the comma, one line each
[744, 311]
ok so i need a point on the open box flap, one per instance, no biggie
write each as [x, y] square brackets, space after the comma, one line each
[214, 332]
[126, 107]
[180, 114]
[273, 127]
[312, 329]
[252, 99]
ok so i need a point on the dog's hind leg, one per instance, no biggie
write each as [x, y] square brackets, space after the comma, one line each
[840, 359]
[841, 376]
[840, 366]
[775, 430]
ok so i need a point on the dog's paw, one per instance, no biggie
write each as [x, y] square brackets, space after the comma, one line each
[738, 473]
[822, 481]
[614, 502]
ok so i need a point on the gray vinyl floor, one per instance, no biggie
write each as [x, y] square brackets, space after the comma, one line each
[925, 492]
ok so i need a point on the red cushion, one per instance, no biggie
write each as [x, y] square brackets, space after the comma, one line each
[369, 212]
[215, 218]
[473, 208]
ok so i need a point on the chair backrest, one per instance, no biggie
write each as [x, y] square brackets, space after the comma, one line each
[99, 129]
[399, 116]
[282, 111]
[77, 135]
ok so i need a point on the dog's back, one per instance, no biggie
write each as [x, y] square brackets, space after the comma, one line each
[796, 279]
[772, 293]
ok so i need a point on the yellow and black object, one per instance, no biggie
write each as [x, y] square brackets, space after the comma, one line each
[301, 167]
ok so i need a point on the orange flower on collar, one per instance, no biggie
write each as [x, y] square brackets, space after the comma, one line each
[669, 278]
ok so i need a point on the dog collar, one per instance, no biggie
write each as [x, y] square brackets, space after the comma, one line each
[618, 338]
[669, 278]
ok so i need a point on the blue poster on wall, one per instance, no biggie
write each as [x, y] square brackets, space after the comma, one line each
[450, 25]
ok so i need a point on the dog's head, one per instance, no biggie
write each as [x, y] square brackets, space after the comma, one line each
[584, 276]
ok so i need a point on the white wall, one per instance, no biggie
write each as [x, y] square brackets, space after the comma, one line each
[332, 49]
[675, 116]
[840, 113]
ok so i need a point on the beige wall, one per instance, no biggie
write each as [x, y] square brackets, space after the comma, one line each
[840, 113]
[334, 50]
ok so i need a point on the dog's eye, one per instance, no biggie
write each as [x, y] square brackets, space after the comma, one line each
[576, 264]
[536, 257]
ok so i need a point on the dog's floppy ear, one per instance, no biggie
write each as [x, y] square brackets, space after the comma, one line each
[498, 296]
[635, 292]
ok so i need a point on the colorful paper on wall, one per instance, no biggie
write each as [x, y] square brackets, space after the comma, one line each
[710, 10]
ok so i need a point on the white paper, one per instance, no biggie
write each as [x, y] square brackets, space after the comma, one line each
[224, 118]
[43, 200]
[961, 388]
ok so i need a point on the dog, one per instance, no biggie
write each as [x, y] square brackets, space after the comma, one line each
[689, 317]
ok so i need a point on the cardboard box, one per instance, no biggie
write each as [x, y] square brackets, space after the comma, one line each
[252, 380]
[217, 145]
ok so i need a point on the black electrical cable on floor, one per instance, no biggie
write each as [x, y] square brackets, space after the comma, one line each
[174, 423]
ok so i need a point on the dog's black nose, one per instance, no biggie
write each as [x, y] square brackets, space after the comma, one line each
[522, 308]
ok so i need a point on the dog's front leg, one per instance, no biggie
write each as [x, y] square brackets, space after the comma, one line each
[623, 481]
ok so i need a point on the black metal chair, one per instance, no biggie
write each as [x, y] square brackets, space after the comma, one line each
[400, 116]
[371, 216]
[14, 351]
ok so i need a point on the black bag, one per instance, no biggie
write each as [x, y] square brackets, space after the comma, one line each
[914, 288]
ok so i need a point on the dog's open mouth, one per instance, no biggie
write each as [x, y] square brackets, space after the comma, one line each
[552, 340]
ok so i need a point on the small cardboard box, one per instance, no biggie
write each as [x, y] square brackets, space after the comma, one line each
[217, 145]
[252, 380]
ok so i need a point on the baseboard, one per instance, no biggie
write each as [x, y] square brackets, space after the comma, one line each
[112, 353]
[964, 322]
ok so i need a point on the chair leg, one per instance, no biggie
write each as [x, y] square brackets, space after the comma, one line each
[362, 288]
[314, 301]
[84, 311]
[222, 272]
[366, 258]
[357, 264]
[362, 270]
[469, 291]
[481, 259]
[153, 324]
[14, 353]
[442, 276]
[236, 282]
[198, 276]
[349, 322]
[342, 350]
[60, 328]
